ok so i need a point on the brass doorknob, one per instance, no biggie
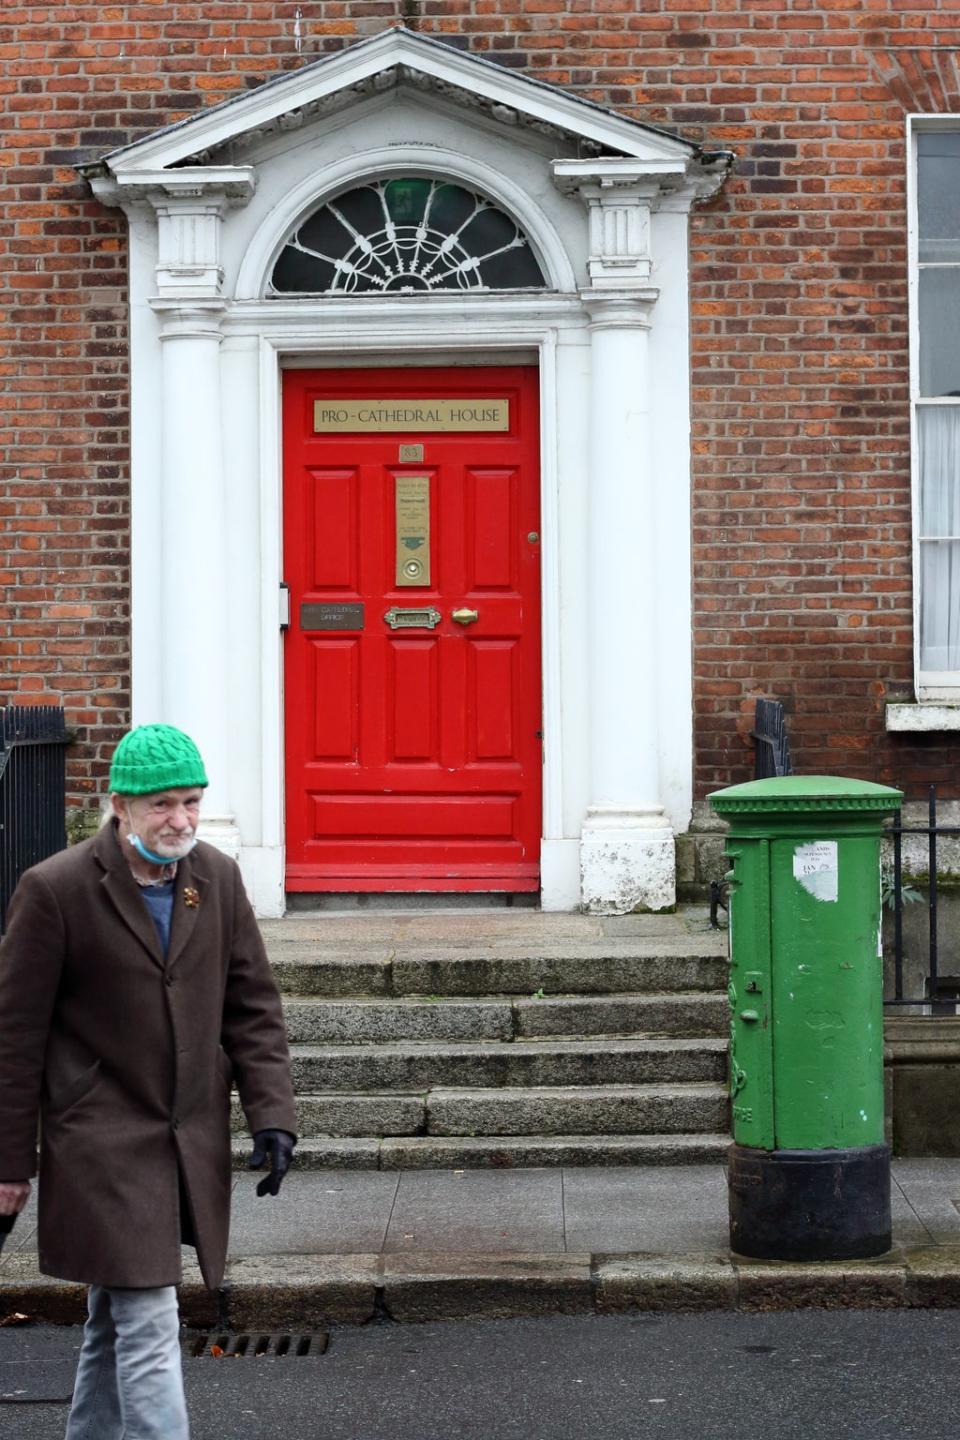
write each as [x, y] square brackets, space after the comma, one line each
[464, 617]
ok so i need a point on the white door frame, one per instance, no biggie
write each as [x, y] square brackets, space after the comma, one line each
[375, 335]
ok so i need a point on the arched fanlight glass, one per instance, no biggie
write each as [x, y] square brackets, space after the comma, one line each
[406, 236]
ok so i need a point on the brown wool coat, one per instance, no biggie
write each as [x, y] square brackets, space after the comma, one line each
[128, 1061]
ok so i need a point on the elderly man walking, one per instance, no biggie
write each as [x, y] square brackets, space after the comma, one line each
[134, 988]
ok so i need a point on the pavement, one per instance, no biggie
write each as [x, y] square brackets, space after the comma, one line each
[347, 1247]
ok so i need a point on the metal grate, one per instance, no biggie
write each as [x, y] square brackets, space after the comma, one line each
[226, 1345]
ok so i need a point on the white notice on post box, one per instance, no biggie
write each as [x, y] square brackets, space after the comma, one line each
[815, 866]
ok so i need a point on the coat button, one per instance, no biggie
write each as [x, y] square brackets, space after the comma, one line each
[169, 979]
[176, 1123]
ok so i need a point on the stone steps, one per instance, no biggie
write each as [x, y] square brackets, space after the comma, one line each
[618, 967]
[495, 1040]
[462, 1152]
[362, 1019]
[424, 1066]
[694, 1107]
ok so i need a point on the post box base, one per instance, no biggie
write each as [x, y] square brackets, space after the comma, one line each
[810, 1204]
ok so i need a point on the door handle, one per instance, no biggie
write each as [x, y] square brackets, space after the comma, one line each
[464, 617]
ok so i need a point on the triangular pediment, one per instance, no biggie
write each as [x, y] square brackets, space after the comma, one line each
[395, 58]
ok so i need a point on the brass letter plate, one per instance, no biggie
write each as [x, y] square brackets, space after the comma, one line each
[383, 416]
[413, 530]
[399, 619]
[330, 617]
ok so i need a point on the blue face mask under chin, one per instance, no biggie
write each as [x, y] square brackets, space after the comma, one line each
[150, 857]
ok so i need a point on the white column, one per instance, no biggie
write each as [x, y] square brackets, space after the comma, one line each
[194, 584]
[195, 590]
[627, 848]
[627, 856]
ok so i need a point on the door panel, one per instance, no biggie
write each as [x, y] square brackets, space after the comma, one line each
[336, 522]
[335, 676]
[413, 754]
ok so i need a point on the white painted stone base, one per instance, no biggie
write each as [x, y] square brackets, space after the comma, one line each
[262, 868]
[560, 875]
[221, 831]
[626, 866]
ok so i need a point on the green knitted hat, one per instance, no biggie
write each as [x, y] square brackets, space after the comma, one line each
[155, 757]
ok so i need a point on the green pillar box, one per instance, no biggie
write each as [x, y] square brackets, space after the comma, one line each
[809, 1171]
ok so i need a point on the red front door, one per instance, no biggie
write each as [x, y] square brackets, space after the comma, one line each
[412, 658]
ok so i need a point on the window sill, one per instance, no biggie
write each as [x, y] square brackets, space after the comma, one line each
[926, 717]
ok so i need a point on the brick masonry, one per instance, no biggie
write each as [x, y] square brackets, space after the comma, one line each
[802, 572]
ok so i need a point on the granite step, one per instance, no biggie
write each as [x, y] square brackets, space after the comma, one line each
[365, 1018]
[579, 1110]
[617, 966]
[456, 1152]
[414, 1066]
[694, 1013]
[352, 1116]
[660, 1109]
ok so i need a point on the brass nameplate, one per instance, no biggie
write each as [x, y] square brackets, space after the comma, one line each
[330, 617]
[400, 619]
[330, 416]
[413, 529]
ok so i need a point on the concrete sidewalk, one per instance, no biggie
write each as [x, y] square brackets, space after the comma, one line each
[346, 1246]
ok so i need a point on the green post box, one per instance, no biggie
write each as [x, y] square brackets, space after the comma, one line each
[809, 1171]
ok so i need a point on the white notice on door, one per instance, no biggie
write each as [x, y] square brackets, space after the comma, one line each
[815, 866]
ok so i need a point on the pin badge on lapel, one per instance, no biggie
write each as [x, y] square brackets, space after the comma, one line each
[191, 898]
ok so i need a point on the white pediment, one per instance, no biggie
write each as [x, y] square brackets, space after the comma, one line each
[217, 137]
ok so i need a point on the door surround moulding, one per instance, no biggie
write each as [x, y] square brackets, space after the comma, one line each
[622, 211]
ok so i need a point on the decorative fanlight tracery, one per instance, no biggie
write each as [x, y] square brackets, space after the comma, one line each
[406, 236]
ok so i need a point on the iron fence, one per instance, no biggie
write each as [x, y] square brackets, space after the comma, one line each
[771, 754]
[771, 757]
[33, 740]
[937, 993]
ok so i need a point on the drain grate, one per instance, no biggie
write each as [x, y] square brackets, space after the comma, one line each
[226, 1345]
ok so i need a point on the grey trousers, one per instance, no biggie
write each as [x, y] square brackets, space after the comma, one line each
[129, 1382]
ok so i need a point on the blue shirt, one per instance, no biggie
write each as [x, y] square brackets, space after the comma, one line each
[159, 901]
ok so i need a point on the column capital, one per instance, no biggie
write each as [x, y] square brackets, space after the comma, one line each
[188, 231]
[189, 204]
[619, 195]
[196, 319]
[623, 309]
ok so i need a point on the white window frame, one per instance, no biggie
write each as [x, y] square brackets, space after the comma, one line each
[931, 685]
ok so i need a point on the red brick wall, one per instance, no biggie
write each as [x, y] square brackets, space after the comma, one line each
[802, 583]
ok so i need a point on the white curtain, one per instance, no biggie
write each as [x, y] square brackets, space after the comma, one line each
[939, 432]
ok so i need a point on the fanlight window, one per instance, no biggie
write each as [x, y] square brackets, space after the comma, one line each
[406, 236]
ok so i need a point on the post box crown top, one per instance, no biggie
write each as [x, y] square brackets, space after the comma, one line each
[798, 793]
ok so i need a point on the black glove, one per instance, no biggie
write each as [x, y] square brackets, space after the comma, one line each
[278, 1146]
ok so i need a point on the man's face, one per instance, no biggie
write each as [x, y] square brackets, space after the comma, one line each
[166, 822]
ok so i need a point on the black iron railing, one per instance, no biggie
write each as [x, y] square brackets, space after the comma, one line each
[772, 752]
[33, 740]
[771, 757]
[926, 985]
